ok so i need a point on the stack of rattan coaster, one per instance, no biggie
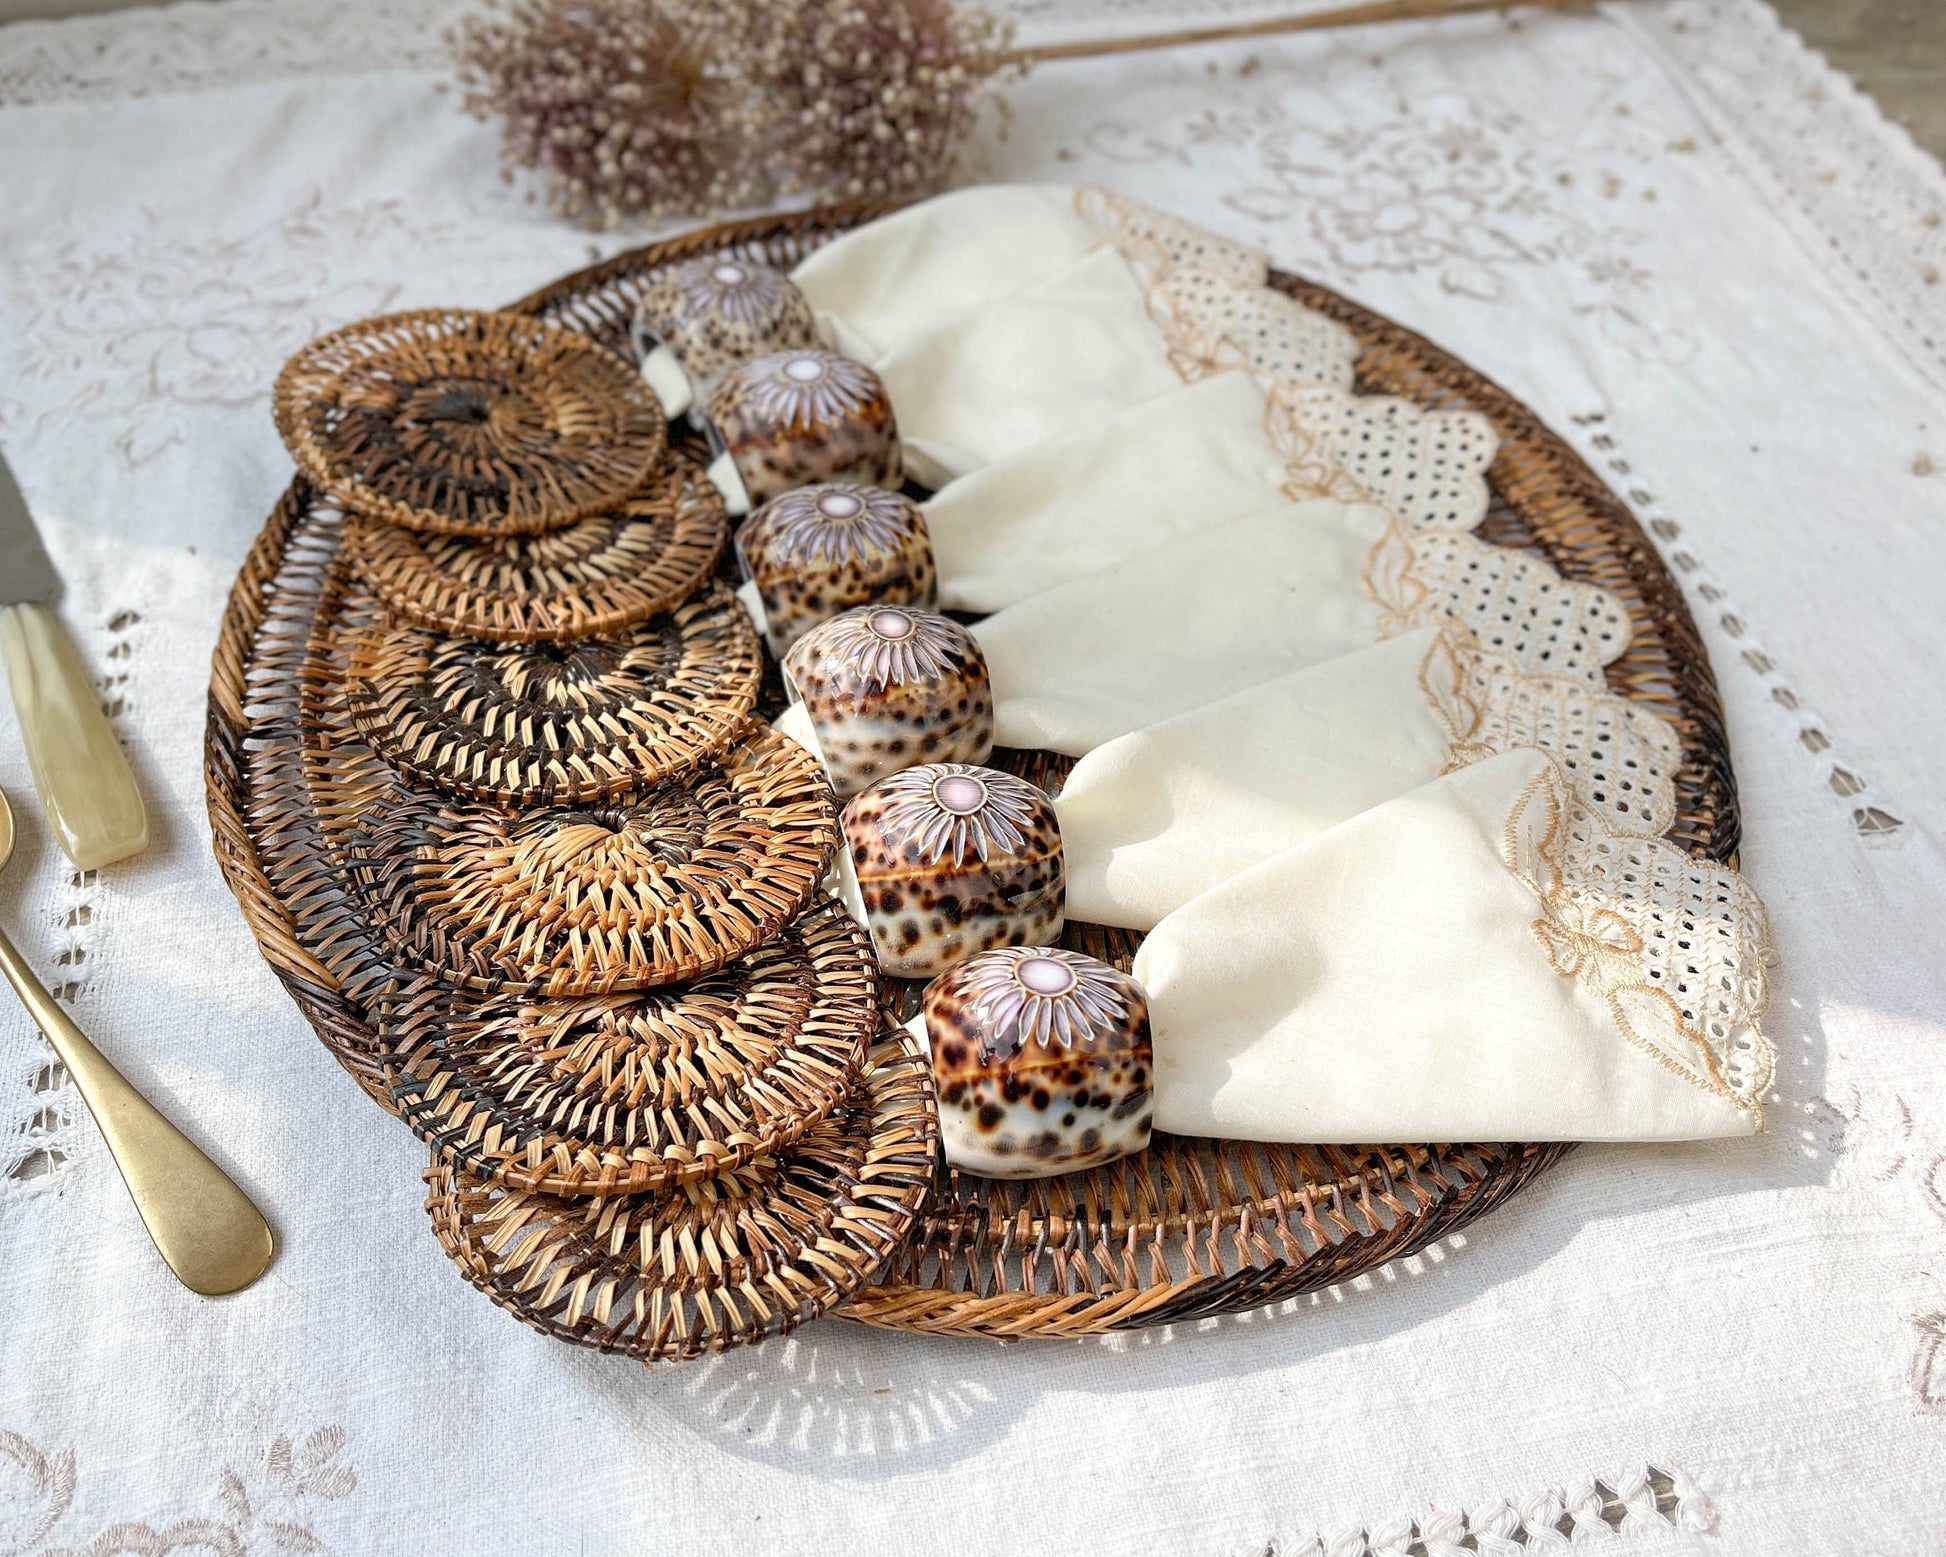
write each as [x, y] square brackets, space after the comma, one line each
[577, 886]
[735, 1258]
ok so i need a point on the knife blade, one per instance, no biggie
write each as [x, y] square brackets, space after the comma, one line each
[80, 772]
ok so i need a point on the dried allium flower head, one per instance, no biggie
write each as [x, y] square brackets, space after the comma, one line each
[658, 108]
[870, 98]
[625, 106]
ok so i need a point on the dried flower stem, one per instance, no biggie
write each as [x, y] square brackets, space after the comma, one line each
[651, 109]
[1341, 16]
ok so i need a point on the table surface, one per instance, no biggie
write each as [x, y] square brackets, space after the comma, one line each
[1894, 49]
[1680, 237]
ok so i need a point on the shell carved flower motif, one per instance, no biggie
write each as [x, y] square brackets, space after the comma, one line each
[887, 647]
[809, 388]
[733, 290]
[838, 523]
[951, 810]
[1024, 994]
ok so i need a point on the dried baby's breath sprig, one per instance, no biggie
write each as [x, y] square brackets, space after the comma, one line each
[870, 98]
[624, 106]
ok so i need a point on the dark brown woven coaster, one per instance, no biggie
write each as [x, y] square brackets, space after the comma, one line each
[621, 1094]
[476, 423]
[737, 1258]
[593, 576]
[669, 883]
[556, 723]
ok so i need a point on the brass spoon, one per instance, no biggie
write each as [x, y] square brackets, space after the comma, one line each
[207, 1230]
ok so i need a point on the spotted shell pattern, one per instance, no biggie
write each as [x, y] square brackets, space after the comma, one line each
[953, 860]
[718, 312]
[1042, 1061]
[886, 687]
[819, 550]
[796, 417]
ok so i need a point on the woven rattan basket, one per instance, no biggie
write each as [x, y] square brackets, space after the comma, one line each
[1190, 1228]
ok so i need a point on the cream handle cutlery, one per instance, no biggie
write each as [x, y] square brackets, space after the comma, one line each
[87, 792]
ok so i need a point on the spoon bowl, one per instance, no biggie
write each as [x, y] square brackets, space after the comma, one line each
[205, 1228]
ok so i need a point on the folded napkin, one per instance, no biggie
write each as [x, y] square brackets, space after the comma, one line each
[1219, 449]
[1157, 816]
[1160, 815]
[1477, 959]
[1064, 353]
[890, 280]
[1415, 888]
[998, 317]
[1182, 625]
[1071, 505]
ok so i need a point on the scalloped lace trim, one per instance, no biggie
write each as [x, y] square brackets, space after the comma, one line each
[1428, 467]
[1674, 947]
[1208, 298]
[1134, 228]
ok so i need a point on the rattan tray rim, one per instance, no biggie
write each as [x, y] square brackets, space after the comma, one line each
[1348, 1197]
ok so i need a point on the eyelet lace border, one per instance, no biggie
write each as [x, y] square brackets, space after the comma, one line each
[1674, 948]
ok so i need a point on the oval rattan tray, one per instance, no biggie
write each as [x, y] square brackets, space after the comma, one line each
[1190, 1228]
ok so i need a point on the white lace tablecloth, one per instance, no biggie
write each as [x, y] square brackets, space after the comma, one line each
[1692, 248]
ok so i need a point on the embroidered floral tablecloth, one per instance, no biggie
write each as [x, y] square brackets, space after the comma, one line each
[1696, 251]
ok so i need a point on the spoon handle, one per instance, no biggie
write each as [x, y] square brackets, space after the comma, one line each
[206, 1228]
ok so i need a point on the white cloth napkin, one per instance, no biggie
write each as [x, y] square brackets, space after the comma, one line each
[1354, 934]
[1075, 504]
[1182, 625]
[1062, 354]
[1218, 449]
[1435, 969]
[1158, 816]
[1001, 316]
[886, 282]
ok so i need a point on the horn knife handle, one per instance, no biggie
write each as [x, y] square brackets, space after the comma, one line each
[82, 776]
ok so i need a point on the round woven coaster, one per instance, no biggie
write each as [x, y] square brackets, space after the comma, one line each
[733, 1259]
[667, 883]
[550, 722]
[620, 1094]
[593, 576]
[476, 423]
